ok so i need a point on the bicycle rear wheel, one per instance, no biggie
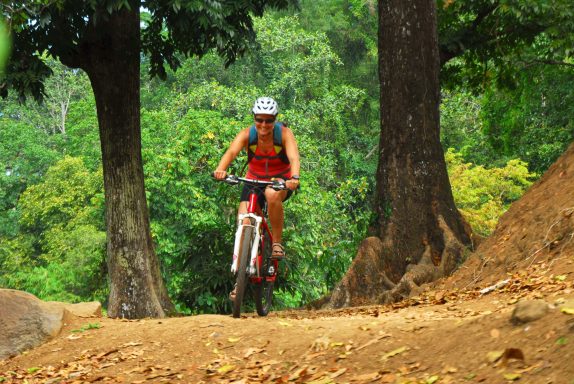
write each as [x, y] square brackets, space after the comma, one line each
[241, 280]
[264, 290]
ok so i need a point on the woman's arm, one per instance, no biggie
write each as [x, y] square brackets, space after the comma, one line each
[236, 146]
[290, 145]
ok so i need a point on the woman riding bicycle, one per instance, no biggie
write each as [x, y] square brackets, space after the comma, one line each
[272, 155]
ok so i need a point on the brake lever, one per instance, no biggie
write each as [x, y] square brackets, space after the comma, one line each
[232, 180]
[279, 185]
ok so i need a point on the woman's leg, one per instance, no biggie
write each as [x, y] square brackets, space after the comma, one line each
[276, 217]
[275, 211]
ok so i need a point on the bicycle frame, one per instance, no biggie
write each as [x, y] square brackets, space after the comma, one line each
[255, 217]
[252, 261]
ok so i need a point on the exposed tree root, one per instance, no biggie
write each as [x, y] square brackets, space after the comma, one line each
[367, 280]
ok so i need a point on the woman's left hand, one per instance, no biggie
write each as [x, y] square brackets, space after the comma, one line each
[292, 184]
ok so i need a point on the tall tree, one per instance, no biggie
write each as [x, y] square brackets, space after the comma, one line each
[420, 235]
[105, 38]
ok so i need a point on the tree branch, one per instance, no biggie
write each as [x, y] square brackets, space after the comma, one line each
[531, 63]
[466, 36]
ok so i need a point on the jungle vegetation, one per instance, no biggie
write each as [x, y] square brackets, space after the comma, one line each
[506, 116]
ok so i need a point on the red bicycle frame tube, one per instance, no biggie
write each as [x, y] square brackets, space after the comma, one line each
[253, 207]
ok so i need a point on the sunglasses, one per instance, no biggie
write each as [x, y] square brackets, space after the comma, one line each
[268, 121]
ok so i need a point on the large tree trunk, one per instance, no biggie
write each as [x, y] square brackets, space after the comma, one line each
[420, 234]
[112, 62]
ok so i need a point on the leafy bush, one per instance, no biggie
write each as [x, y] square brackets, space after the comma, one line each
[193, 217]
[482, 194]
[59, 251]
[535, 121]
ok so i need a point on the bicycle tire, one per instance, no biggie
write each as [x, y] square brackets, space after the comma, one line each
[263, 291]
[242, 263]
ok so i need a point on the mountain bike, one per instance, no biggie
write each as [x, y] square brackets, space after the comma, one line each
[252, 261]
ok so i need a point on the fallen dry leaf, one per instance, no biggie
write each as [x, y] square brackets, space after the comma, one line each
[312, 356]
[299, 373]
[251, 351]
[394, 352]
[388, 378]
[323, 380]
[494, 356]
[367, 377]
[338, 373]
[285, 324]
[512, 376]
[371, 342]
[566, 310]
[449, 370]
[131, 344]
[225, 369]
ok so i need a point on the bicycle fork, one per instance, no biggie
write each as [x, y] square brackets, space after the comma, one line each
[251, 269]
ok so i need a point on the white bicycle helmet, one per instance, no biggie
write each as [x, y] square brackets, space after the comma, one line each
[265, 106]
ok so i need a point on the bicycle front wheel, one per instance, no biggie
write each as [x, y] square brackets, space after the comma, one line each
[242, 263]
[264, 290]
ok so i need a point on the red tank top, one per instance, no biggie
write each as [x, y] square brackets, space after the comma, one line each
[267, 166]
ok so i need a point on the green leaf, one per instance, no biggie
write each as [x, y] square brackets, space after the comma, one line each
[512, 376]
[394, 352]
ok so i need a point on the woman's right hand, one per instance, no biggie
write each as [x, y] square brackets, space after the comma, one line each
[219, 175]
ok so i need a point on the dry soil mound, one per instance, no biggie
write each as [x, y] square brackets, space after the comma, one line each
[538, 228]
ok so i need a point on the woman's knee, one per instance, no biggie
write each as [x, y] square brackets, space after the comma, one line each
[274, 197]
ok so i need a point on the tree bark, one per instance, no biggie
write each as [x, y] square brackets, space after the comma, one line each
[419, 235]
[111, 58]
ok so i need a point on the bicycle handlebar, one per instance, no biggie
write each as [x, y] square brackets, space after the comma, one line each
[234, 180]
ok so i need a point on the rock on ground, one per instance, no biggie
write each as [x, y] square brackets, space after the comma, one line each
[526, 311]
[89, 309]
[26, 321]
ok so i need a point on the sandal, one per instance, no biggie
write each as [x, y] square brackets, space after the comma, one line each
[233, 293]
[278, 251]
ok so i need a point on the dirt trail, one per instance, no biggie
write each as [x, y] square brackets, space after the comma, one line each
[438, 337]
[449, 334]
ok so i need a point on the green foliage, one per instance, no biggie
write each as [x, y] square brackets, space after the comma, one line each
[462, 128]
[25, 154]
[82, 135]
[61, 230]
[534, 122]
[189, 228]
[320, 64]
[193, 217]
[321, 241]
[169, 29]
[490, 41]
[322, 116]
[87, 327]
[5, 45]
[483, 195]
